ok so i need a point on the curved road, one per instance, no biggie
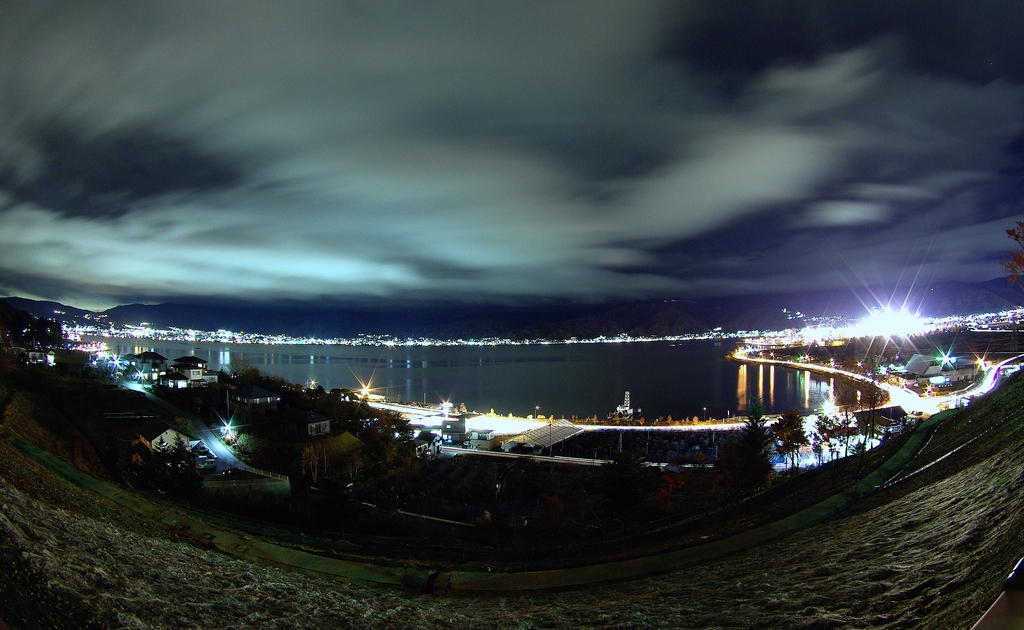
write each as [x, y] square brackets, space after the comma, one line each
[901, 396]
[226, 460]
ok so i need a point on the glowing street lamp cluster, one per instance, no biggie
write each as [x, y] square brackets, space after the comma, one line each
[887, 324]
[882, 322]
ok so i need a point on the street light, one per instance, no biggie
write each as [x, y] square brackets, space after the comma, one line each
[551, 444]
[705, 414]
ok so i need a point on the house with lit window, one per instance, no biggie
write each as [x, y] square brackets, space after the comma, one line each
[308, 423]
[453, 429]
[253, 397]
[174, 380]
[149, 366]
[427, 444]
[195, 369]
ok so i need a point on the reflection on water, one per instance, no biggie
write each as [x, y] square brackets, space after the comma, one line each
[741, 388]
[678, 379]
[803, 389]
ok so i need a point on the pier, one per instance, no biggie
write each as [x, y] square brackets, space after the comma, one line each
[541, 433]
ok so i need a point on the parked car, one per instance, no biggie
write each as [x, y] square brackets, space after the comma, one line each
[206, 464]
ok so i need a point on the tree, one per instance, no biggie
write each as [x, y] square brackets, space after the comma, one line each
[826, 432]
[1014, 265]
[314, 460]
[817, 447]
[627, 479]
[789, 430]
[172, 469]
[872, 397]
[846, 428]
[746, 464]
[847, 397]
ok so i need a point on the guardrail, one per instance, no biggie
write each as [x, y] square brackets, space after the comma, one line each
[262, 473]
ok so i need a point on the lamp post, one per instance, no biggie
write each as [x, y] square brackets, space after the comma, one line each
[705, 414]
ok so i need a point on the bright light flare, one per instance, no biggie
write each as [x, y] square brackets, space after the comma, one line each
[889, 323]
[829, 407]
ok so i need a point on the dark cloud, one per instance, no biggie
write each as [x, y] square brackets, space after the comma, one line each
[503, 152]
[109, 173]
[593, 147]
[737, 39]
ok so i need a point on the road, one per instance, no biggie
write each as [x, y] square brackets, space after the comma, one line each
[225, 458]
[910, 401]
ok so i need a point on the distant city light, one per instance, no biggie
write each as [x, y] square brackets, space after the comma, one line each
[831, 330]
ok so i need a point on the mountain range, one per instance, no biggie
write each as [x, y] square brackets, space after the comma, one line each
[551, 321]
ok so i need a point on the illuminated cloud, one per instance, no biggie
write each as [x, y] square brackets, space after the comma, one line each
[838, 213]
[498, 152]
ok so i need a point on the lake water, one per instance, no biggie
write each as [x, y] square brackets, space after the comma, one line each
[664, 378]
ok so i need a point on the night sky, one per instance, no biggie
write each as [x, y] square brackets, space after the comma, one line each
[510, 153]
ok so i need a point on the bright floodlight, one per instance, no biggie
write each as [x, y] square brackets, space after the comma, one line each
[829, 407]
[889, 323]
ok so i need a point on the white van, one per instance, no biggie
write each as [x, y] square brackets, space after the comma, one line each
[206, 464]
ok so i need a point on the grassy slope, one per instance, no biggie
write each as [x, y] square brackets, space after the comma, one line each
[930, 550]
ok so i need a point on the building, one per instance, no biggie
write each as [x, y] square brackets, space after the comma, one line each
[251, 397]
[482, 439]
[156, 433]
[943, 370]
[427, 444]
[174, 380]
[149, 366]
[308, 423]
[195, 369]
[453, 429]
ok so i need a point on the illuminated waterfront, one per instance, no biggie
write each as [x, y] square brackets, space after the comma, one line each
[664, 378]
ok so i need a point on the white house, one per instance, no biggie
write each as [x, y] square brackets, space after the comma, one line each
[157, 432]
[195, 369]
[938, 370]
[174, 380]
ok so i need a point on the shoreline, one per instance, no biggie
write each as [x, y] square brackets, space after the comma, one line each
[899, 395]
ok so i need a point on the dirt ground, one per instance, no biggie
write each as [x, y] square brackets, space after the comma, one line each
[930, 550]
